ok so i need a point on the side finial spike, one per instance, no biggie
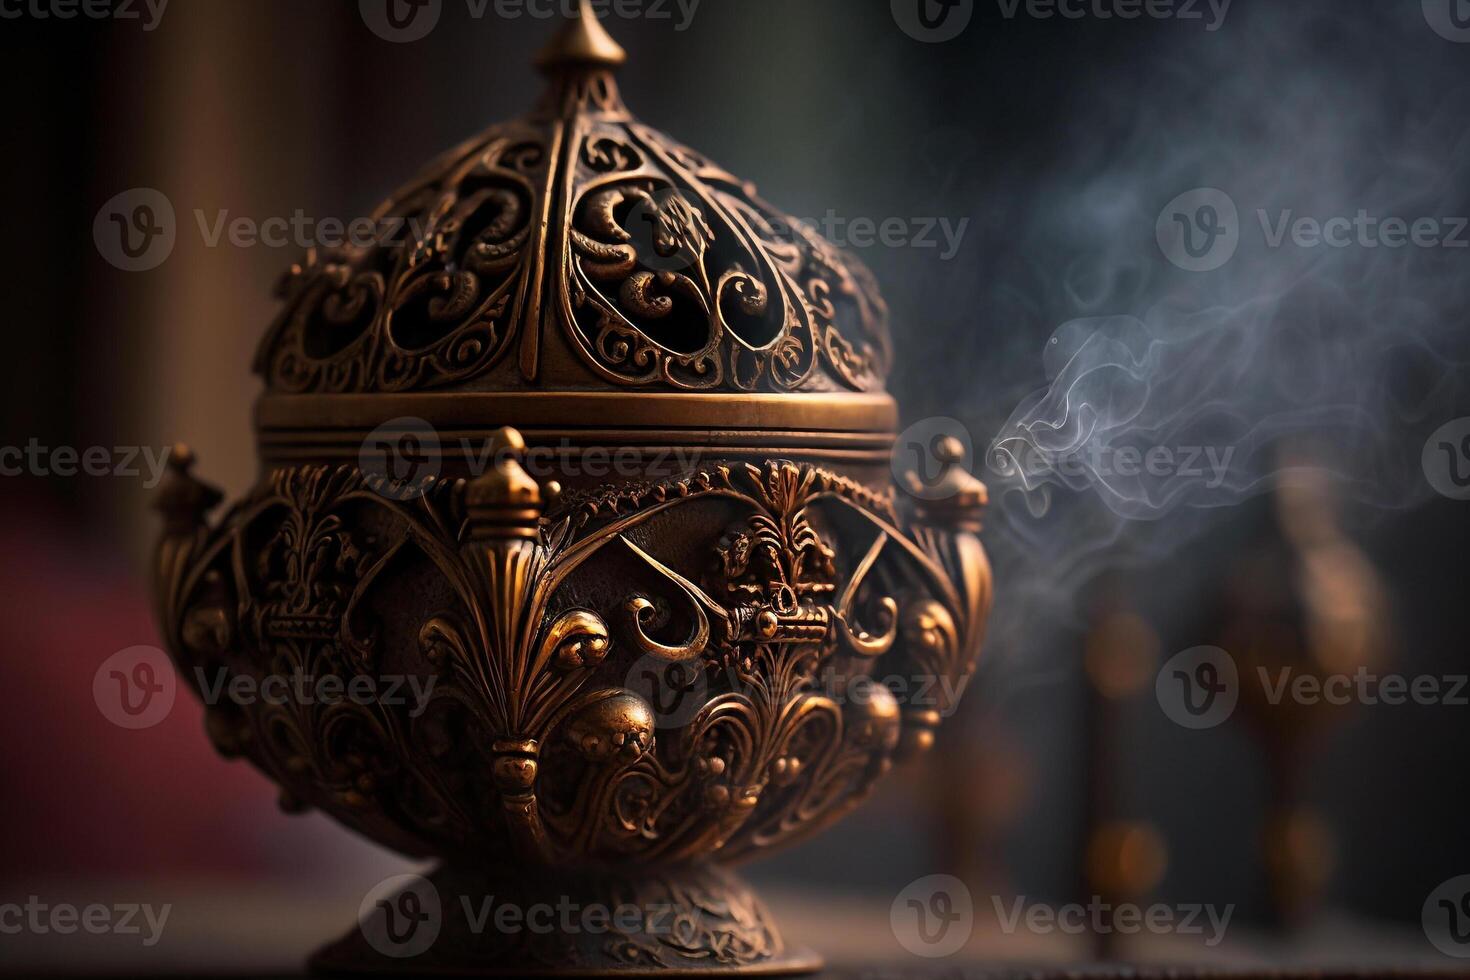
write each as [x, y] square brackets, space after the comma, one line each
[581, 42]
[505, 502]
[183, 499]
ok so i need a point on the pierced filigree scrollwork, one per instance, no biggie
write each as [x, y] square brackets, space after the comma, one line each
[425, 293]
[664, 271]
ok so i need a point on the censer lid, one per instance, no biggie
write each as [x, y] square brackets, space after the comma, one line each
[576, 250]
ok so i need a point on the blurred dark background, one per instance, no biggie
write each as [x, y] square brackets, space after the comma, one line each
[1057, 141]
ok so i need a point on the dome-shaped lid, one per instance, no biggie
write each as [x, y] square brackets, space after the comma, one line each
[578, 249]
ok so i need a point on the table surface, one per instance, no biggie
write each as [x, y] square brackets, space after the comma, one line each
[245, 929]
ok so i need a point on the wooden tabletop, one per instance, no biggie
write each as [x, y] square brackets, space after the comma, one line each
[244, 929]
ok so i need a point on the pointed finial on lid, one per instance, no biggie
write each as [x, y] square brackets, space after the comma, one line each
[581, 42]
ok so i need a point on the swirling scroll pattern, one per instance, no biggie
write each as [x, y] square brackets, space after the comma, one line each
[664, 271]
[427, 292]
[524, 747]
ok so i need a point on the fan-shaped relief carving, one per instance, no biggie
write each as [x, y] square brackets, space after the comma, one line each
[776, 748]
[293, 623]
[426, 292]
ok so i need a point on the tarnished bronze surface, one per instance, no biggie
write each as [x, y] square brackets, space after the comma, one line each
[632, 672]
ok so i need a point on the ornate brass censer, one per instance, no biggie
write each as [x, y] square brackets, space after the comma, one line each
[631, 679]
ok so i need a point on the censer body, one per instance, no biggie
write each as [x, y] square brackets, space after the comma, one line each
[601, 460]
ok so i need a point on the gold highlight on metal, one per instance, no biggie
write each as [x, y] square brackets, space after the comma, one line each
[581, 41]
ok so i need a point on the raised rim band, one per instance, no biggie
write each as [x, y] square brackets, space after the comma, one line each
[858, 427]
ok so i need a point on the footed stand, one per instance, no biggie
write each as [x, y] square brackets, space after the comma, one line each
[692, 921]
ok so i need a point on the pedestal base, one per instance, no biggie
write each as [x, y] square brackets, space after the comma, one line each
[517, 922]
